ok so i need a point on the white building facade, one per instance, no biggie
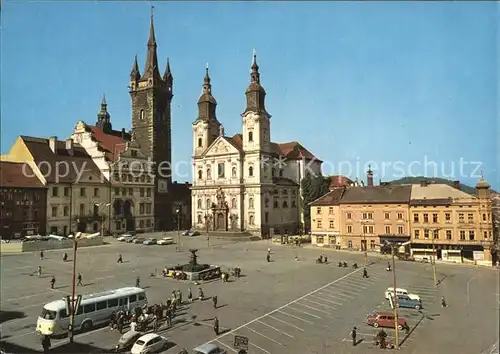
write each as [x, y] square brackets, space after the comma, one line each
[246, 182]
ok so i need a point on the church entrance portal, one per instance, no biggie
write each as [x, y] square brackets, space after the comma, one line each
[220, 212]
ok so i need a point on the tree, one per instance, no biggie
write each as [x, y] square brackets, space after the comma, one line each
[313, 187]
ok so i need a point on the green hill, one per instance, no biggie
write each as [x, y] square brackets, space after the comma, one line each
[418, 179]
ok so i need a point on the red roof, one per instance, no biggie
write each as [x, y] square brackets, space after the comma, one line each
[339, 181]
[112, 145]
[18, 175]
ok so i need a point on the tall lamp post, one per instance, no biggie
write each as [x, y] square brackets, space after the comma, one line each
[73, 301]
[364, 245]
[178, 212]
[99, 205]
[434, 274]
[394, 296]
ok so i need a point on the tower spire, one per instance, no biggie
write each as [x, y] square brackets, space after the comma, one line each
[135, 74]
[254, 74]
[103, 117]
[207, 103]
[151, 65]
[255, 92]
[207, 87]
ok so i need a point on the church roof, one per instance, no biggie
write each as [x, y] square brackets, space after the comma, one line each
[112, 144]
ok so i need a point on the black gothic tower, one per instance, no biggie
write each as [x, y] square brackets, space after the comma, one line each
[151, 96]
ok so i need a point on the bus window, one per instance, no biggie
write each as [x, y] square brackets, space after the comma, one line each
[123, 301]
[142, 296]
[79, 311]
[89, 308]
[63, 313]
[101, 305]
[113, 303]
[133, 298]
[48, 314]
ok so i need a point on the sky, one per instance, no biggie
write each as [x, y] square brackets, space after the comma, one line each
[407, 87]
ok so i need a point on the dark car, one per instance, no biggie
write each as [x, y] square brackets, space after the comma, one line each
[139, 240]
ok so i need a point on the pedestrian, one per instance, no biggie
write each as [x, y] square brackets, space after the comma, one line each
[180, 297]
[79, 278]
[326, 259]
[138, 282]
[190, 295]
[365, 273]
[216, 326]
[41, 255]
[39, 271]
[214, 300]
[268, 257]
[46, 344]
[65, 257]
[443, 302]
[120, 259]
[52, 282]
[201, 295]
[353, 335]
[155, 323]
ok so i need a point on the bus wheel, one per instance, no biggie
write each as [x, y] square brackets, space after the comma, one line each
[86, 326]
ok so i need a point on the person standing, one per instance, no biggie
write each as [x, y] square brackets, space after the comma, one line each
[353, 336]
[365, 273]
[52, 282]
[155, 323]
[201, 295]
[46, 344]
[190, 295]
[216, 326]
[138, 282]
[180, 297]
[79, 278]
[443, 302]
[120, 259]
[39, 271]
[214, 300]
[41, 255]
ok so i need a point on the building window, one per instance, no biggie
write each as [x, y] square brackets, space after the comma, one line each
[209, 173]
[462, 235]
[436, 234]
[131, 191]
[220, 170]
[117, 191]
[331, 224]
[233, 172]
[387, 230]
[200, 142]
[266, 203]
[118, 225]
[141, 224]
[96, 192]
[66, 211]
[372, 244]
[55, 192]
[348, 215]
[294, 204]
[250, 171]
[485, 235]
[426, 218]
[148, 223]
[251, 220]
[435, 218]
[470, 218]
[66, 191]
[318, 224]
[199, 204]
[448, 234]
[387, 216]
[400, 216]
[471, 235]
[83, 192]
[54, 211]
[141, 116]
[141, 192]
[200, 174]
[250, 203]
[250, 136]
[96, 210]
[349, 244]
[401, 230]
[426, 234]
[349, 229]
[148, 192]
[318, 210]
[209, 203]
[141, 208]
[416, 234]
[82, 209]
[285, 204]
[233, 203]
[461, 218]
[330, 211]
[275, 204]
[320, 240]
[484, 217]
[447, 217]
[200, 219]
[371, 229]
[415, 217]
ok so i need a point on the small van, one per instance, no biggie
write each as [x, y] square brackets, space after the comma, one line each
[399, 291]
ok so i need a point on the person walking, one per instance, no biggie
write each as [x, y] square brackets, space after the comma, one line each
[180, 297]
[216, 326]
[39, 271]
[120, 259]
[155, 323]
[65, 257]
[353, 336]
[79, 278]
[443, 302]
[41, 255]
[365, 273]
[214, 300]
[201, 294]
[138, 282]
[52, 282]
[46, 344]
[190, 295]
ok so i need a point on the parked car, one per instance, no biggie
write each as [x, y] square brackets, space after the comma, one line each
[127, 340]
[194, 233]
[124, 237]
[209, 348]
[130, 239]
[138, 240]
[409, 303]
[166, 241]
[400, 291]
[149, 343]
[149, 241]
[186, 233]
[385, 319]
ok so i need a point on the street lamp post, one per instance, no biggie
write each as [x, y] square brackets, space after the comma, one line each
[434, 274]
[364, 245]
[73, 294]
[177, 211]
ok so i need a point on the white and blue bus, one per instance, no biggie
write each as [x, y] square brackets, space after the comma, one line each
[95, 309]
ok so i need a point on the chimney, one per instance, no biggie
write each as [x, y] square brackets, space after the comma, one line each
[52, 144]
[69, 146]
[123, 133]
[369, 177]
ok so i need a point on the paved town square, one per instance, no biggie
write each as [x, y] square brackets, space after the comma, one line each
[284, 306]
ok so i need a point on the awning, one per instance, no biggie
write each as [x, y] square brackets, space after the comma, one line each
[393, 239]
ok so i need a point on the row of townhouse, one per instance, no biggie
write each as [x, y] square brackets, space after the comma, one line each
[433, 219]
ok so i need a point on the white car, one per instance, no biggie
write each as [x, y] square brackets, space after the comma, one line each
[124, 237]
[149, 343]
[399, 291]
[166, 241]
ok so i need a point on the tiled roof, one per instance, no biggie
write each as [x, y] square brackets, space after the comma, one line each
[437, 191]
[18, 175]
[236, 140]
[377, 194]
[331, 198]
[49, 162]
[111, 144]
[340, 181]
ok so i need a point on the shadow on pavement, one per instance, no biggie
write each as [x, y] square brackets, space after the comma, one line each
[11, 315]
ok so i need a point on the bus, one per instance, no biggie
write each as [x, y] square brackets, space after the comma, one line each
[94, 310]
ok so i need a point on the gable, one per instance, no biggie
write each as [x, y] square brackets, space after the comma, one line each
[221, 146]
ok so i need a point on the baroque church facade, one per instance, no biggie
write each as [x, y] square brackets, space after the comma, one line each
[246, 182]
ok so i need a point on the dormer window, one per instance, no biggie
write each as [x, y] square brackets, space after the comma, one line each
[141, 114]
[200, 142]
[250, 136]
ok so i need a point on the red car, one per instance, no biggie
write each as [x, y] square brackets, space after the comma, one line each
[385, 319]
